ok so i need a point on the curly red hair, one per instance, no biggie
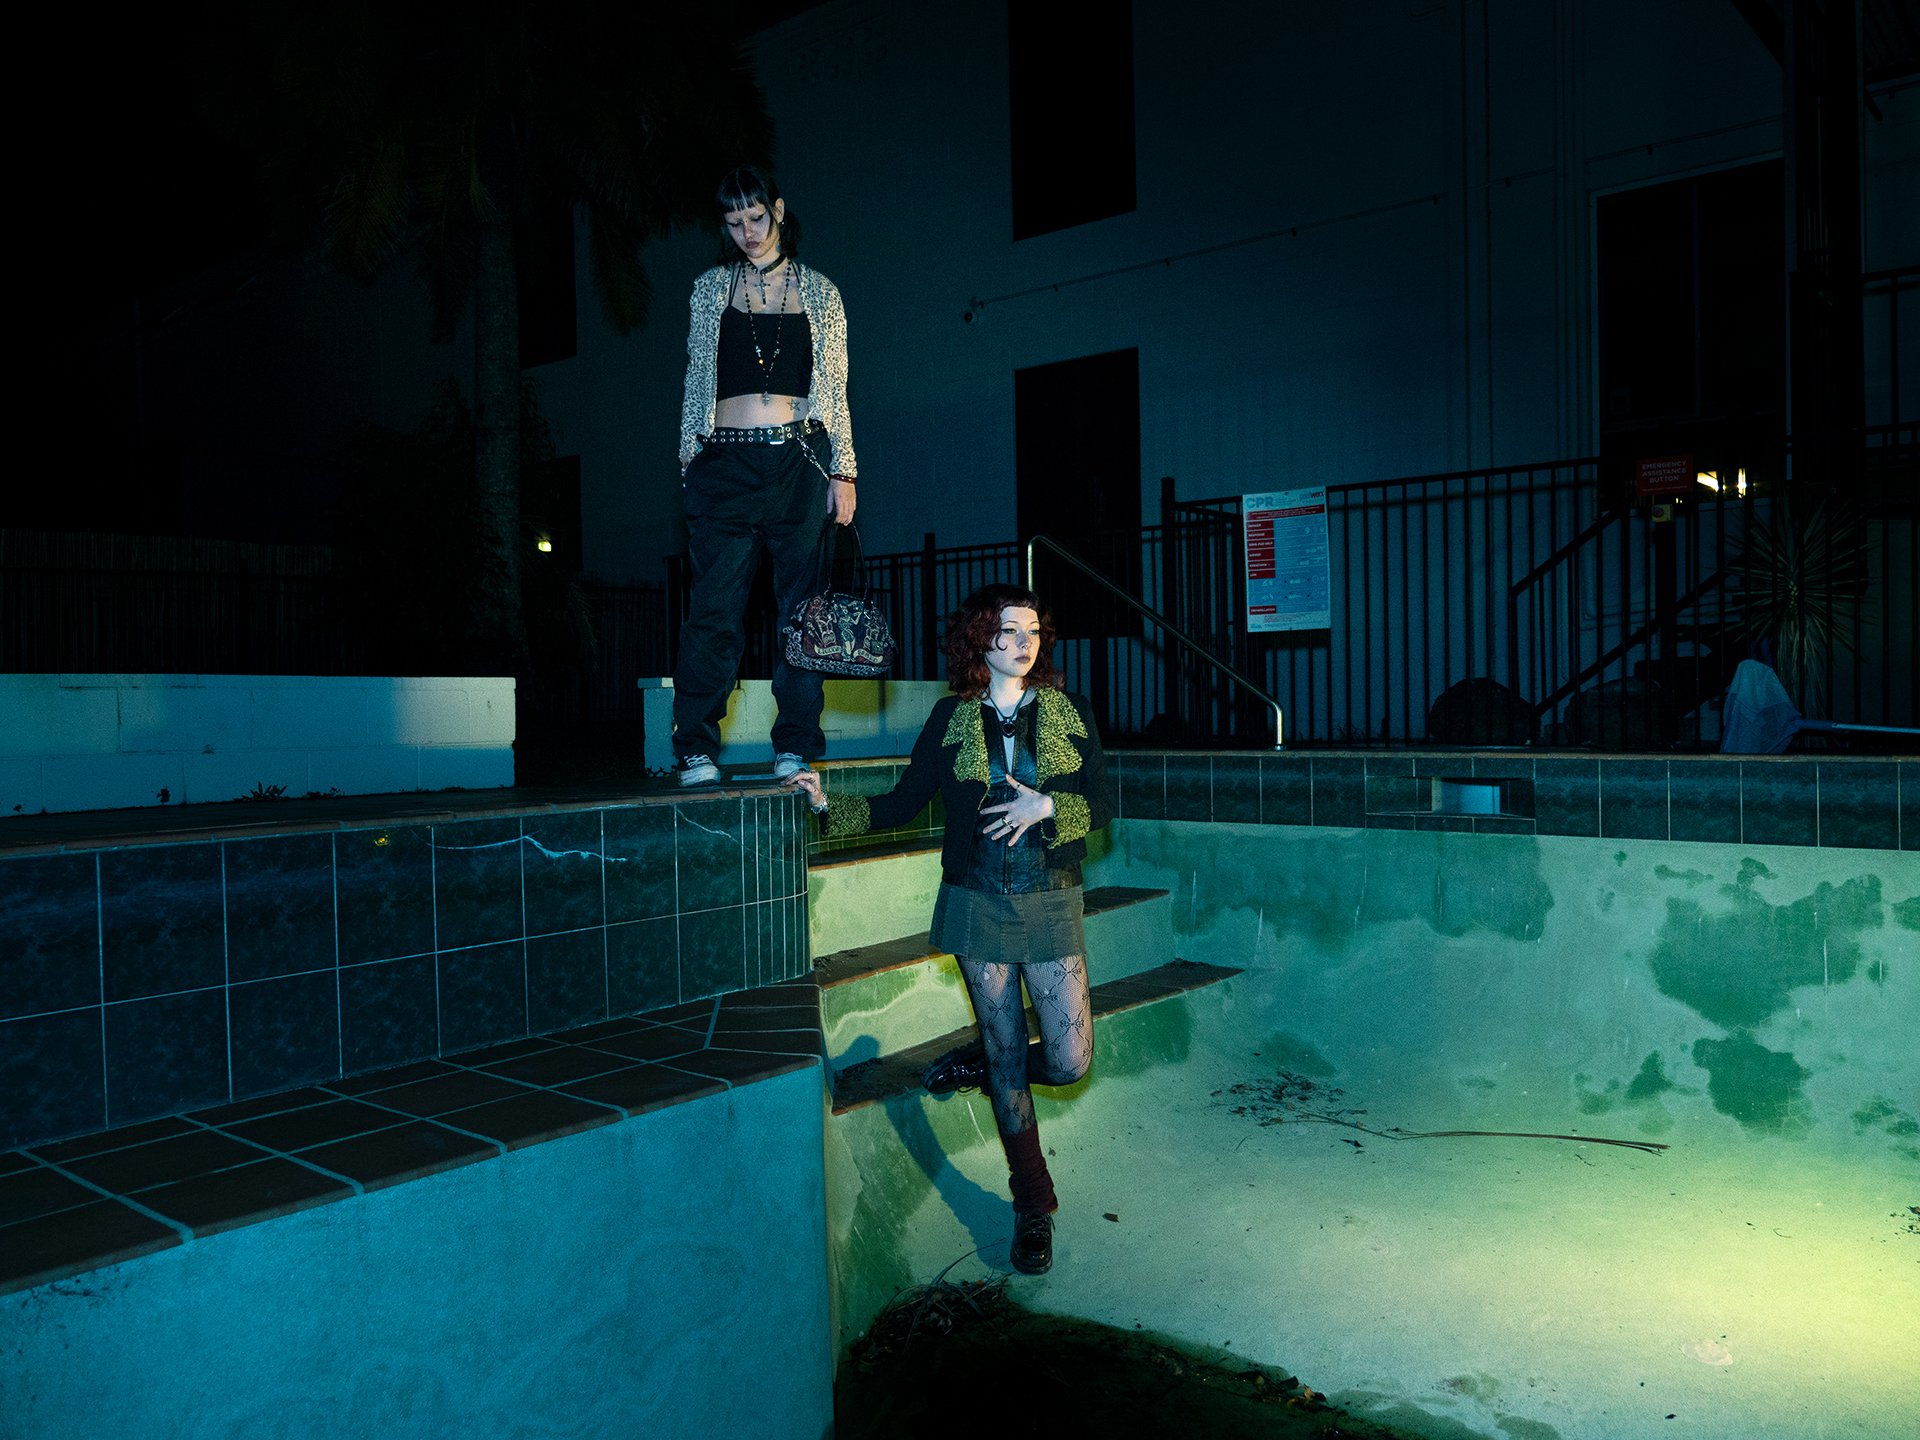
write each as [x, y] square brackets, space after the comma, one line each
[974, 629]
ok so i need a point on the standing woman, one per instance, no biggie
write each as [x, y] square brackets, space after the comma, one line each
[1011, 748]
[766, 456]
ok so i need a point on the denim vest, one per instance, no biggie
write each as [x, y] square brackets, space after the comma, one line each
[995, 866]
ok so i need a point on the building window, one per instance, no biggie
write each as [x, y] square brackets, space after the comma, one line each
[1070, 89]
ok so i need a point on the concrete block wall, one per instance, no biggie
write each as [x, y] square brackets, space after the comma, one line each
[106, 742]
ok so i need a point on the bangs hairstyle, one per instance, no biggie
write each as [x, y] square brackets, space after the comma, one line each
[975, 626]
[743, 189]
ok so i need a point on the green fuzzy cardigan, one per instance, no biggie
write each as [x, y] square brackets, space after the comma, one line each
[951, 756]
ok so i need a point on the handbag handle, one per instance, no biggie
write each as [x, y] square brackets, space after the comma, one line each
[824, 570]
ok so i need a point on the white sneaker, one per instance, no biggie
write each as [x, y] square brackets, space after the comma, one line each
[698, 770]
[786, 765]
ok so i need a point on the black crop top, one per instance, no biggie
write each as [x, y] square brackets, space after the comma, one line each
[739, 372]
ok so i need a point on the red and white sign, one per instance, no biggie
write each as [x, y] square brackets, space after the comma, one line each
[1663, 475]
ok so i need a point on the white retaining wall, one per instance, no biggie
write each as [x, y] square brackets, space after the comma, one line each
[862, 719]
[106, 742]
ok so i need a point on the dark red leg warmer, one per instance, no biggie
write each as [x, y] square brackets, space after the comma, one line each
[1027, 1173]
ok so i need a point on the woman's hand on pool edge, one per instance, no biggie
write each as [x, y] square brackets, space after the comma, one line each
[809, 781]
[1019, 815]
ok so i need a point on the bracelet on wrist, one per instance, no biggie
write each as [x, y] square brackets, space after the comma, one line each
[844, 479]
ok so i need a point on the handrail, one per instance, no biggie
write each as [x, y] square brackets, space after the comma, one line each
[1165, 624]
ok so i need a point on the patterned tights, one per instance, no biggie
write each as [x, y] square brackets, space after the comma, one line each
[1058, 989]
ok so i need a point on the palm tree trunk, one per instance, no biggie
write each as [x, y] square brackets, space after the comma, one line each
[496, 638]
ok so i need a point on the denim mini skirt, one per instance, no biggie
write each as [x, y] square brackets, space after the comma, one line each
[1009, 929]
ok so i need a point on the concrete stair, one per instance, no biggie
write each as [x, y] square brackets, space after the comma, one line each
[890, 1002]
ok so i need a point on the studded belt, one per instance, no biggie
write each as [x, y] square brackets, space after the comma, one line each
[763, 434]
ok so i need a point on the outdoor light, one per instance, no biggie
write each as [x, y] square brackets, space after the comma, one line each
[1710, 479]
[1740, 487]
[546, 547]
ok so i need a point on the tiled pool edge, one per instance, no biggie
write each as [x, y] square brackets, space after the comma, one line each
[709, 1047]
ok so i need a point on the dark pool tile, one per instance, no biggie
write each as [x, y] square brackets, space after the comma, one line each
[639, 870]
[510, 1050]
[411, 1150]
[388, 1014]
[12, 1160]
[1566, 796]
[50, 943]
[120, 1139]
[566, 980]
[52, 1081]
[1907, 773]
[643, 965]
[1397, 794]
[562, 871]
[1705, 799]
[773, 1042]
[709, 854]
[1458, 824]
[385, 880]
[558, 1066]
[1633, 800]
[483, 996]
[1236, 789]
[1779, 802]
[1502, 767]
[531, 1117]
[1286, 790]
[683, 1013]
[264, 1105]
[1392, 822]
[761, 997]
[476, 883]
[444, 1093]
[35, 1191]
[606, 1030]
[160, 920]
[1389, 767]
[285, 1032]
[736, 1020]
[161, 1162]
[71, 1242]
[279, 905]
[165, 1055]
[208, 1204]
[659, 1042]
[1189, 782]
[390, 1079]
[711, 958]
[1340, 791]
[316, 1125]
[641, 1088]
[743, 1067]
[1145, 782]
[1860, 805]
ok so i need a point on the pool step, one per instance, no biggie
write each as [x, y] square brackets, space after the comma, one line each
[872, 1081]
[880, 998]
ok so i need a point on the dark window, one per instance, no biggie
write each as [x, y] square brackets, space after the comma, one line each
[543, 252]
[1692, 303]
[1070, 89]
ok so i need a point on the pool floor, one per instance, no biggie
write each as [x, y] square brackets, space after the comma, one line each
[1759, 1277]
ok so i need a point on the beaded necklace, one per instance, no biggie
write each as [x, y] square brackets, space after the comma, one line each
[766, 365]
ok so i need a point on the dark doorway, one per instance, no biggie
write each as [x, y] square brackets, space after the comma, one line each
[1693, 314]
[1077, 457]
[1077, 445]
[1070, 112]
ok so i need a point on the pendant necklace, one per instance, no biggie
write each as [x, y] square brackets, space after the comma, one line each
[766, 365]
[1006, 721]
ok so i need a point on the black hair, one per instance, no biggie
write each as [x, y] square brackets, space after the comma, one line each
[744, 188]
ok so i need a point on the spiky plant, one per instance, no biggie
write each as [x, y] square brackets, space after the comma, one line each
[1802, 585]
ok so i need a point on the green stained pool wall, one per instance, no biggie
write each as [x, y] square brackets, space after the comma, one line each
[1690, 992]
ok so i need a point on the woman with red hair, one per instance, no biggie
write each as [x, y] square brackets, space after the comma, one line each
[1012, 748]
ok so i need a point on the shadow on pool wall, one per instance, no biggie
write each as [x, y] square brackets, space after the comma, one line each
[1551, 983]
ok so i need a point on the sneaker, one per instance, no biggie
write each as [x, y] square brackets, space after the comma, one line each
[1032, 1248]
[786, 765]
[698, 770]
[962, 1069]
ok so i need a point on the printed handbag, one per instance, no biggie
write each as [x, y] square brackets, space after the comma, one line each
[837, 631]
